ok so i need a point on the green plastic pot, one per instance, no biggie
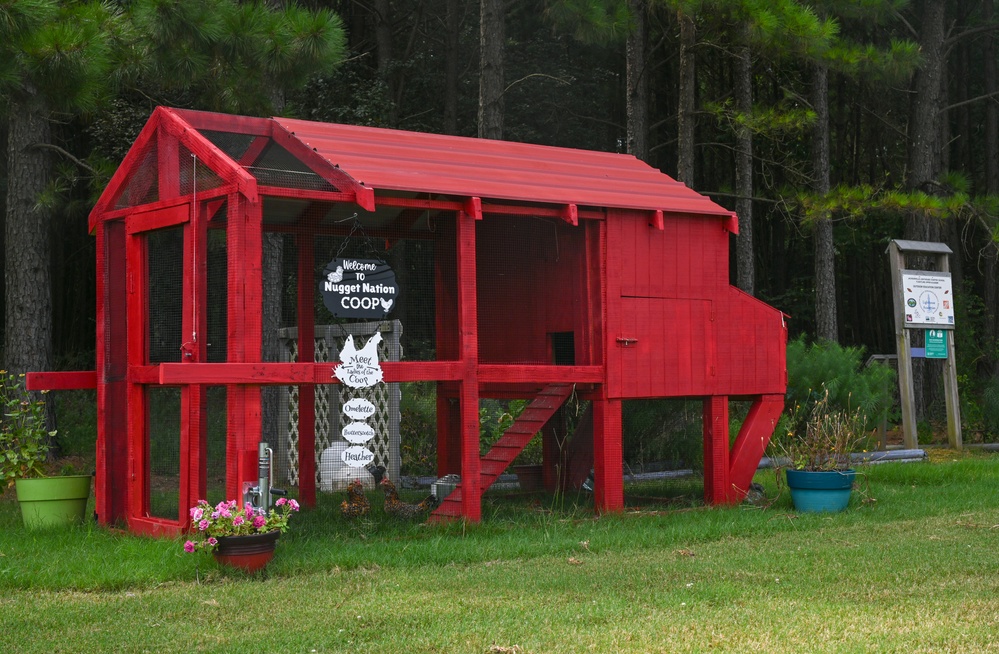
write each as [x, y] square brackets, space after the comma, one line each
[53, 501]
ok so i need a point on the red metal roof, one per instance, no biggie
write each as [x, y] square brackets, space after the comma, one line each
[396, 160]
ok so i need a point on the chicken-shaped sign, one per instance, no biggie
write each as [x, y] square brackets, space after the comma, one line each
[359, 368]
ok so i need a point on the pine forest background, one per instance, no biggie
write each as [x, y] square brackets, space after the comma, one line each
[831, 127]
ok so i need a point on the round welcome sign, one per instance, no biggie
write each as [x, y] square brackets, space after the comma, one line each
[358, 288]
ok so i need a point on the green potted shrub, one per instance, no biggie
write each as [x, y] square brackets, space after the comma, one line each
[815, 442]
[24, 444]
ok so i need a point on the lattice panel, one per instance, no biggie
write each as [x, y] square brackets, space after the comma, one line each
[330, 398]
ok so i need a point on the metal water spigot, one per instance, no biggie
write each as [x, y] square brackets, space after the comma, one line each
[259, 496]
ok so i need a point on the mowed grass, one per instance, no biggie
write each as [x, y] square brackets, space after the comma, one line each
[912, 566]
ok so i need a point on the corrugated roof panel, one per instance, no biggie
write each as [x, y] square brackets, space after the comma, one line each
[397, 160]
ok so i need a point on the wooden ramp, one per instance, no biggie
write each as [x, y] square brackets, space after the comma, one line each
[510, 444]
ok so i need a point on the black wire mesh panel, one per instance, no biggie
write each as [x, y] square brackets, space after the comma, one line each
[215, 446]
[663, 448]
[164, 452]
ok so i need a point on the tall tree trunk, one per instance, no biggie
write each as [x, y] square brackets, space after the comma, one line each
[924, 163]
[991, 107]
[451, 44]
[638, 82]
[492, 33]
[745, 264]
[826, 325]
[687, 101]
[991, 286]
[924, 126]
[27, 245]
[383, 51]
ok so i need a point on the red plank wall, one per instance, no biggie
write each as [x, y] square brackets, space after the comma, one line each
[675, 325]
[531, 283]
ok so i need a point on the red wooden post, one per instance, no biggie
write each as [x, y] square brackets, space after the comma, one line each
[193, 397]
[468, 329]
[608, 465]
[717, 484]
[244, 239]
[111, 419]
[138, 421]
[447, 326]
[306, 354]
[752, 441]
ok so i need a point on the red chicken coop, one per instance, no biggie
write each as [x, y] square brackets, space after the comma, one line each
[239, 259]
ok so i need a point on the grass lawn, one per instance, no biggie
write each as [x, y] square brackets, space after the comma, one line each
[912, 566]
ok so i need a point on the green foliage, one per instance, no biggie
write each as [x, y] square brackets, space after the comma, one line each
[818, 437]
[664, 580]
[60, 50]
[232, 56]
[346, 95]
[76, 412]
[418, 429]
[835, 374]
[24, 439]
[495, 417]
[230, 518]
[591, 21]
[990, 409]
[663, 431]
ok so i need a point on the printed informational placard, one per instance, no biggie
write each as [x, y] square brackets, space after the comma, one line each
[357, 456]
[358, 288]
[358, 409]
[357, 433]
[936, 344]
[927, 299]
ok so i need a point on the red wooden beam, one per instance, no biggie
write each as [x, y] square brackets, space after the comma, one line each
[208, 194]
[364, 196]
[263, 374]
[220, 163]
[751, 442]
[156, 527]
[473, 207]
[656, 220]
[307, 355]
[60, 381]
[123, 175]
[515, 373]
[138, 417]
[216, 122]
[570, 214]
[143, 221]
[306, 194]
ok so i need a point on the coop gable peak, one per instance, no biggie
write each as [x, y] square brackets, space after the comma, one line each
[362, 163]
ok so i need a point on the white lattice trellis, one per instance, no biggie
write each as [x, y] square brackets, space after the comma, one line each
[330, 398]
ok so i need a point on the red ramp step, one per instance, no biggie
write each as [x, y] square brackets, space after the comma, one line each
[510, 444]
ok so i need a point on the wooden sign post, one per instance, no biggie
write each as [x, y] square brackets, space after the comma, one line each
[924, 300]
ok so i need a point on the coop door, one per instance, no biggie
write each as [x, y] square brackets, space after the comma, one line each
[165, 430]
[662, 347]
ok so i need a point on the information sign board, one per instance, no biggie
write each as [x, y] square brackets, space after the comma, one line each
[936, 344]
[928, 300]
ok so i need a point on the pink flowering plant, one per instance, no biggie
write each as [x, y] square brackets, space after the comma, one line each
[210, 523]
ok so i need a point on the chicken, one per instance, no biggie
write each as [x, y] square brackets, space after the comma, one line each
[395, 506]
[377, 471]
[357, 503]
